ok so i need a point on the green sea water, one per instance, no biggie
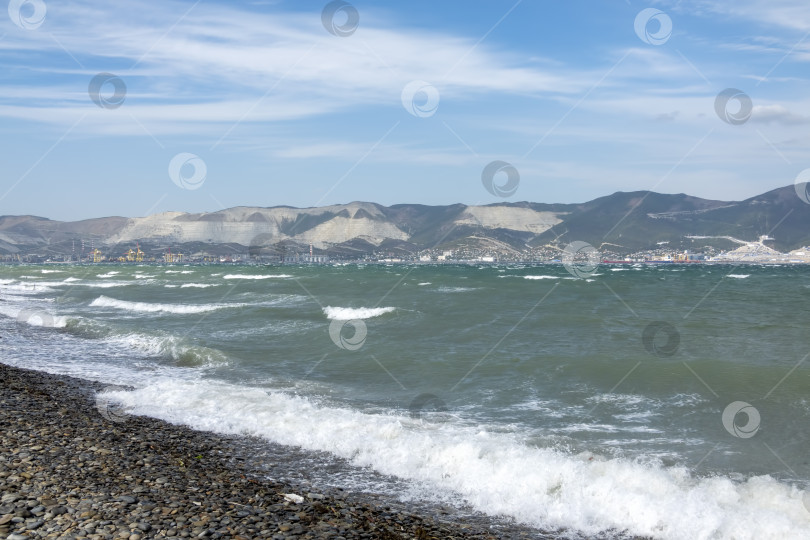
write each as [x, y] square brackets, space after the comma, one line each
[690, 381]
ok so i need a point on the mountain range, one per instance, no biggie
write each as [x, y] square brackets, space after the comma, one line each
[623, 222]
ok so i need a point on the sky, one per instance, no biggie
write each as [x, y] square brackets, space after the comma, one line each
[136, 107]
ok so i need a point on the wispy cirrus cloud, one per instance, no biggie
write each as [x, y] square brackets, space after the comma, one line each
[778, 114]
[220, 64]
[262, 91]
[794, 14]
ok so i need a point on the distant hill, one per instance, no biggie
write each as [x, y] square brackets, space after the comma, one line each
[622, 222]
[639, 220]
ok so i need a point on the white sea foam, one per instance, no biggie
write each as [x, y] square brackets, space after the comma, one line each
[197, 285]
[171, 347]
[348, 314]
[46, 284]
[42, 319]
[738, 276]
[423, 283]
[105, 284]
[70, 280]
[31, 316]
[45, 271]
[251, 276]
[146, 307]
[455, 289]
[108, 274]
[541, 277]
[494, 472]
[27, 288]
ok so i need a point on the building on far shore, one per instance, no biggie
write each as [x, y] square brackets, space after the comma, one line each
[758, 252]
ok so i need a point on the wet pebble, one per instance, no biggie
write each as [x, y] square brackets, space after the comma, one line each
[66, 471]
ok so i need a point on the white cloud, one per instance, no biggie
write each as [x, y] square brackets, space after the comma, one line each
[777, 114]
[793, 14]
[216, 63]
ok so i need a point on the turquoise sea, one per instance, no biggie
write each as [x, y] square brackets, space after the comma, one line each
[664, 400]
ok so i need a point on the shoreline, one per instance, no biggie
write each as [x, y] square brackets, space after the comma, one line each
[426, 264]
[145, 478]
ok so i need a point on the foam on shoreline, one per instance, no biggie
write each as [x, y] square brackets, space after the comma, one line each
[240, 486]
[493, 472]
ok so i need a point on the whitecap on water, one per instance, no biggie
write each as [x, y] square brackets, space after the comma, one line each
[348, 314]
[252, 276]
[147, 307]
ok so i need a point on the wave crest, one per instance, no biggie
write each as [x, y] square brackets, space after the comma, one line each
[252, 276]
[146, 307]
[349, 314]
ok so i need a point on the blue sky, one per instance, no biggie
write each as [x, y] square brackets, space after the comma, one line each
[279, 111]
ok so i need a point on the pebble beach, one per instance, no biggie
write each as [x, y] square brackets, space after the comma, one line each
[67, 471]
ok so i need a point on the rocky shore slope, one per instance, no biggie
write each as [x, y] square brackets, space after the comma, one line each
[68, 471]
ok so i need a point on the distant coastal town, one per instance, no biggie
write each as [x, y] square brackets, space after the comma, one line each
[756, 252]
